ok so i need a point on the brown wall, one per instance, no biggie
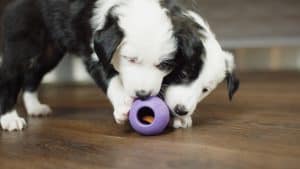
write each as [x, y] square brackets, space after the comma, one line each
[3, 3]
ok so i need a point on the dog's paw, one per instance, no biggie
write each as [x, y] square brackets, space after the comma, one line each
[121, 109]
[34, 106]
[121, 114]
[39, 110]
[12, 122]
[182, 122]
[120, 100]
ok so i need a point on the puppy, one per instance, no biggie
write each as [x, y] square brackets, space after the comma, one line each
[138, 34]
[137, 45]
[199, 64]
[196, 77]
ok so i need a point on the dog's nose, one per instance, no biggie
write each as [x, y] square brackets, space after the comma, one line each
[180, 110]
[142, 94]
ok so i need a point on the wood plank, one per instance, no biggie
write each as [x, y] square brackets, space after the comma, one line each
[259, 129]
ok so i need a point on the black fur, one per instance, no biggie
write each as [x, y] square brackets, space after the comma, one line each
[101, 73]
[167, 65]
[36, 35]
[108, 39]
[106, 42]
[190, 48]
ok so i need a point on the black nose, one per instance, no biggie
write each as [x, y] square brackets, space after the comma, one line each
[142, 94]
[180, 110]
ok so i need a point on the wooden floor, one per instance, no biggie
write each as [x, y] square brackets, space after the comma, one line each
[259, 129]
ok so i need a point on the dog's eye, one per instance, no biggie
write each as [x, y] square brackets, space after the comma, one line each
[131, 59]
[167, 65]
[184, 74]
[204, 90]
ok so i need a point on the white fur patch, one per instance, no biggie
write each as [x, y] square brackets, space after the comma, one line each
[182, 122]
[217, 63]
[120, 100]
[34, 106]
[11, 121]
[95, 58]
[148, 38]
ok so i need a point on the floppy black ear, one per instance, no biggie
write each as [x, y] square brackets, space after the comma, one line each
[190, 49]
[233, 84]
[189, 56]
[108, 39]
[189, 39]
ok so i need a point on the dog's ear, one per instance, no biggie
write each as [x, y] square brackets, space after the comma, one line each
[233, 82]
[190, 52]
[107, 40]
[189, 42]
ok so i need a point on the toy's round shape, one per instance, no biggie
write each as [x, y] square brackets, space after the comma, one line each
[154, 108]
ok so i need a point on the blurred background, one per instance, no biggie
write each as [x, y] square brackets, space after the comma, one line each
[263, 34]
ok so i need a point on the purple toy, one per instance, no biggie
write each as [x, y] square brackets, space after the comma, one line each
[154, 108]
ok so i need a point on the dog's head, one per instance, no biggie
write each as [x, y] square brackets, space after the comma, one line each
[201, 70]
[138, 39]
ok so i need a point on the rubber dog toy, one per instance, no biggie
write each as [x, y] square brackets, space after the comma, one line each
[149, 117]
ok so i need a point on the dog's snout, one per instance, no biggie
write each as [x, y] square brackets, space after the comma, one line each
[180, 110]
[143, 94]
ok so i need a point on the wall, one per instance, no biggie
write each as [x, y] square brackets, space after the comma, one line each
[263, 34]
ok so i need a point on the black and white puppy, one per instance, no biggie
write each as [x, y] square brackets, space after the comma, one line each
[200, 70]
[138, 34]
[197, 65]
[143, 55]
[145, 40]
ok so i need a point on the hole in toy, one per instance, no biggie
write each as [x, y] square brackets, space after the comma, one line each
[146, 115]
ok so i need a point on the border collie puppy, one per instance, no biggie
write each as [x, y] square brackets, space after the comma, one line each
[138, 34]
[196, 77]
[199, 65]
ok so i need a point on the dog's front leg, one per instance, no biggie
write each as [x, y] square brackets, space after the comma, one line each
[120, 100]
[108, 79]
